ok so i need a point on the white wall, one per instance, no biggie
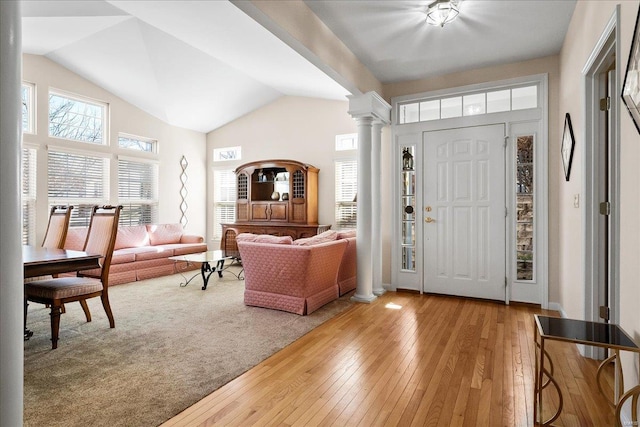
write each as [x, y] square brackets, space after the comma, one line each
[587, 24]
[173, 143]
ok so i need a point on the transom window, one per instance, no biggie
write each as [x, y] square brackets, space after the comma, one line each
[77, 119]
[137, 143]
[519, 98]
[347, 142]
[227, 153]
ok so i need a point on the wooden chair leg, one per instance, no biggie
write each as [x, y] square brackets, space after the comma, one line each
[85, 308]
[55, 325]
[107, 309]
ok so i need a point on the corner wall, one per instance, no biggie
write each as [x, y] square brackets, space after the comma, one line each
[173, 142]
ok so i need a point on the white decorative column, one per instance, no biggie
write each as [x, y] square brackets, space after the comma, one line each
[376, 207]
[368, 109]
[11, 275]
[364, 271]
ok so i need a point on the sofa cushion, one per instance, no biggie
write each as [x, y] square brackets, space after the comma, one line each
[153, 252]
[132, 237]
[123, 256]
[327, 236]
[264, 238]
[186, 248]
[162, 234]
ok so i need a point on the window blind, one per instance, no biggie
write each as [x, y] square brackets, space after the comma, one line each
[224, 199]
[346, 184]
[137, 192]
[79, 180]
[28, 196]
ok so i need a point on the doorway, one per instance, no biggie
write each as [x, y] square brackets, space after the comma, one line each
[465, 215]
[602, 180]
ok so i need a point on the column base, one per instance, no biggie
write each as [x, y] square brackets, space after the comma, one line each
[365, 299]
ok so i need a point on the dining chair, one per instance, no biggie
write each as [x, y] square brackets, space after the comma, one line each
[101, 238]
[58, 226]
[54, 238]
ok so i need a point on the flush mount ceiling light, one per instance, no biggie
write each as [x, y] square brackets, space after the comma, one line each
[441, 12]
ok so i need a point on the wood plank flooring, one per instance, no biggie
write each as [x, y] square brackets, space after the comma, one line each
[436, 361]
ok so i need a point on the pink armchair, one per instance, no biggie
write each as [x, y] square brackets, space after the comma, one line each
[295, 278]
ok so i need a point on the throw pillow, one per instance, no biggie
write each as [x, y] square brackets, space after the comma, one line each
[163, 234]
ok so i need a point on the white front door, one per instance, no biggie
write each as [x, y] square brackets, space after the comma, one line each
[464, 200]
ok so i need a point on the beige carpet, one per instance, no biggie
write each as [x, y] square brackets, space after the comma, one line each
[171, 347]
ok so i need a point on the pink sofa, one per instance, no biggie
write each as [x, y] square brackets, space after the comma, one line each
[297, 276]
[142, 251]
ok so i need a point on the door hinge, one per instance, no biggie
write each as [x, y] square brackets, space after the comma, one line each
[506, 140]
[605, 104]
[506, 211]
[605, 208]
[505, 281]
[604, 312]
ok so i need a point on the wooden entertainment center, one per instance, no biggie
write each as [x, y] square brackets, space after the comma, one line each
[278, 197]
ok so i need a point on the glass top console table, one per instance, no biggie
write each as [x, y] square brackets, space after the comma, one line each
[605, 335]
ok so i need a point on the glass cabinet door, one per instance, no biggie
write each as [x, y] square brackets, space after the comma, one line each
[408, 204]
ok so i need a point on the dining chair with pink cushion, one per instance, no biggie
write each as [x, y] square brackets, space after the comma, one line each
[56, 233]
[58, 226]
[101, 238]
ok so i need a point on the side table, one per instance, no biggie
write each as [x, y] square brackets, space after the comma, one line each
[605, 335]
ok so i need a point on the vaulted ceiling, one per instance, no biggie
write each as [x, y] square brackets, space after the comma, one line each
[201, 64]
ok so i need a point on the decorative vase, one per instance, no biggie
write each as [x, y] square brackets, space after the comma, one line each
[275, 196]
[285, 196]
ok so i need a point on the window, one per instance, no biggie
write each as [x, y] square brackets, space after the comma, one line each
[347, 142]
[79, 180]
[346, 189]
[137, 191]
[224, 199]
[227, 153]
[28, 196]
[77, 120]
[137, 143]
[28, 108]
[524, 208]
[472, 104]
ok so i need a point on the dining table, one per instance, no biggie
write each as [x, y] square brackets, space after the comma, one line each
[39, 261]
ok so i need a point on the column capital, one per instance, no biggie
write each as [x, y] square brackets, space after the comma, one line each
[371, 105]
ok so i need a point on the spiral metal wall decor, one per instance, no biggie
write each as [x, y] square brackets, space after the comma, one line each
[183, 191]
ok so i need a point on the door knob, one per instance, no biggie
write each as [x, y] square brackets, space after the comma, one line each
[429, 219]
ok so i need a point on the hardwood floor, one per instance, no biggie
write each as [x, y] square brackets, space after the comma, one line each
[435, 361]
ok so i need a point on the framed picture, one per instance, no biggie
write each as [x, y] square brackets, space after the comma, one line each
[631, 86]
[568, 142]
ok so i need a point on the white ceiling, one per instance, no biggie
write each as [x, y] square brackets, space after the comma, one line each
[201, 64]
[392, 39]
